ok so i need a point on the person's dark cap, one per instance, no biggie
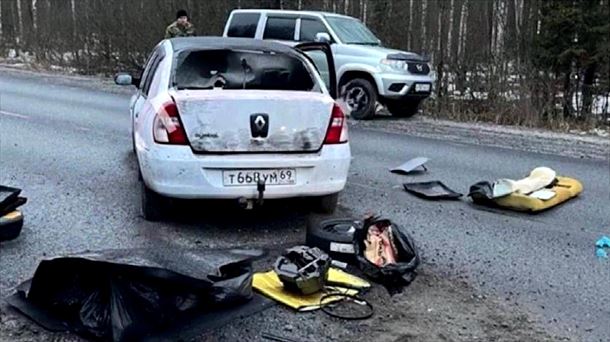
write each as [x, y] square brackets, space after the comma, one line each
[181, 13]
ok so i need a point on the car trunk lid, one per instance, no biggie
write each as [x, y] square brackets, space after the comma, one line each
[254, 121]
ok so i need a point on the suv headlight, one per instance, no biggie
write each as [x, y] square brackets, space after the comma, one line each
[394, 65]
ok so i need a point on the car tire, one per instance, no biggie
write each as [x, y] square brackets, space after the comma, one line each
[152, 204]
[403, 108]
[326, 204]
[333, 236]
[360, 93]
[10, 228]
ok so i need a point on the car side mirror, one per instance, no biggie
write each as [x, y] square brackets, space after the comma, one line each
[323, 37]
[125, 79]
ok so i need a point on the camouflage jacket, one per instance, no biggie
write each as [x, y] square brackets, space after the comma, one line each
[175, 30]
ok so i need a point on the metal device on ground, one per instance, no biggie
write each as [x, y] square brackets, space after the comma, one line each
[303, 269]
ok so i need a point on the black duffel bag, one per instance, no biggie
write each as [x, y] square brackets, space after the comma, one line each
[394, 275]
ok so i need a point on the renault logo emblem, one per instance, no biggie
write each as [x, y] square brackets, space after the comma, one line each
[260, 122]
[419, 67]
[259, 125]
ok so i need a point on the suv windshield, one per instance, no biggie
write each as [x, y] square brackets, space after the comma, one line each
[352, 31]
[234, 69]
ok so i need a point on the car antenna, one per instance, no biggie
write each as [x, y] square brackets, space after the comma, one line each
[245, 67]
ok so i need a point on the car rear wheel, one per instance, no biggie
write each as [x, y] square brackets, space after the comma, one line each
[403, 108]
[325, 204]
[153, 204]
[360, 97]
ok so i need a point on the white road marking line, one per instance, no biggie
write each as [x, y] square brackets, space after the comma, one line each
[83, 128]
[3, 112]
[21, 116]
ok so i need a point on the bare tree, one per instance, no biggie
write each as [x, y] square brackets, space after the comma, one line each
[19, 37]
[0, 20]
[34, 16]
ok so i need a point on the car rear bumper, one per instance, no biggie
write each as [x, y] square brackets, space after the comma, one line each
[174, 171]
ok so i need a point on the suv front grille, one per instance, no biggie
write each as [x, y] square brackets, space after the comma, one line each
[419, 68]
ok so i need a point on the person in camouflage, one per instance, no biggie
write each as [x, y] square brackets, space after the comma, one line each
[182, 27]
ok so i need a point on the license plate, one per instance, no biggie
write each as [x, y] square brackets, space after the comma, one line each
[251, 177]
[422, 87]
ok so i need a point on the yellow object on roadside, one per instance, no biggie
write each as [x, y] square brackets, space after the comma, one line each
[270, 285]
[565, 189]
[12, 215]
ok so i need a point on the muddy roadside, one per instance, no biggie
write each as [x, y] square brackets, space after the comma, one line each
[433, 308]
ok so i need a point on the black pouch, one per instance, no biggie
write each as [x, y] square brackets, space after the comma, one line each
[481, 193]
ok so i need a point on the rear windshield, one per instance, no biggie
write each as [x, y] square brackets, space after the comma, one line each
[233, 69]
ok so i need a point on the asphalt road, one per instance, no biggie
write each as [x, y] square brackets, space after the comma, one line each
[69, 148]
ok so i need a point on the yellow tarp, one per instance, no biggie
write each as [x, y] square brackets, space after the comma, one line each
[270, 285]
[565, 189]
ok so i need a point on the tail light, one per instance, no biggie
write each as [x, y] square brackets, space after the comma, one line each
[167, 128]
[337, 130]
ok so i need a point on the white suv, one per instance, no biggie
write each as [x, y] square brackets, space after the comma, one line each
[230, 118]
[367, 72]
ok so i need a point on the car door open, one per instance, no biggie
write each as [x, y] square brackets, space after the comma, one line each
[321, 56]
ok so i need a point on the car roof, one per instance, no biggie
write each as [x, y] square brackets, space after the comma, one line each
[181, 44]
[292, 12]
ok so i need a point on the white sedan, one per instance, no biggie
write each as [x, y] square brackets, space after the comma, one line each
[243, 119]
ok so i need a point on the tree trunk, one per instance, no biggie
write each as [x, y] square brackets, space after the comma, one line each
[410, 30]
[364, 7]
[450, 31]
[441, 53]
[423, 40]
[0, 19]
[34, 17]
[463, 30]
[587, 85]
[567, 95]
[19, 37]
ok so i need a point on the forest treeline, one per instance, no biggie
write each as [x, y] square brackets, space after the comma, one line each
[527, 62]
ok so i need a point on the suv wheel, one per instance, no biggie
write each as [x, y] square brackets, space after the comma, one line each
[361, 98]
[153, 204]
[325, 204]
[403, 108]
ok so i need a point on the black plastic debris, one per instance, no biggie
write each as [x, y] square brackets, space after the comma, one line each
[10, 200]
[434, 190]
[411, 166]
[302, 269]
[396, 275]
[481, 193]
[127, 295]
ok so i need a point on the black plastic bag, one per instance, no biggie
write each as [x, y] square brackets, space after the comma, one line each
[10, 200]
[125, 295]
[481, 193]
[393, 276]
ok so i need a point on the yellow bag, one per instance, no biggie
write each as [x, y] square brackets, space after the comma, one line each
[565, 189]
